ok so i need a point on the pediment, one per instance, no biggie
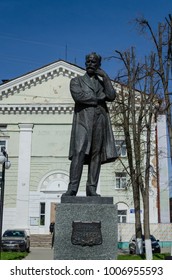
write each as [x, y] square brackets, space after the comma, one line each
[44, 86]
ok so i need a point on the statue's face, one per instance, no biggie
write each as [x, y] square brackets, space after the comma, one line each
[92, 64]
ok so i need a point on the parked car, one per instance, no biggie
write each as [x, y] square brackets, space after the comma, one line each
[16, 240]
[155, 244]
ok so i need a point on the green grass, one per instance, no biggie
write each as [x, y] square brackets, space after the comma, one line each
[142, 257]
[13, 255]
[21, 255]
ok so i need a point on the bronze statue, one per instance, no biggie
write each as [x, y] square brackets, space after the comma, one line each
[92, 140]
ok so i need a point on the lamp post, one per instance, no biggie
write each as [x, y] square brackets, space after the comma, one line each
[5, 165]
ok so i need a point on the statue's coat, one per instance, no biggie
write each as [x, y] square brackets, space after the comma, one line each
[91, 96]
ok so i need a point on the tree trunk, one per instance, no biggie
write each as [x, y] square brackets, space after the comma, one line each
[138, 225]
[148, 246]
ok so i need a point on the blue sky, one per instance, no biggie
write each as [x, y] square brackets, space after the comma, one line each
[37, 32]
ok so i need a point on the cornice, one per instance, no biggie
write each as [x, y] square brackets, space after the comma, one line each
[12, 109]
[36, 109]
[39, 76]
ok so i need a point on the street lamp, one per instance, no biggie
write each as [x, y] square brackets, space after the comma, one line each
[5, 165]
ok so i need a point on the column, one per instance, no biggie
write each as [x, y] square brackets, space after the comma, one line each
[163, 154]
[22, 208]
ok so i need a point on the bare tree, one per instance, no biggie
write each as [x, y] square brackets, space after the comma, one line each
[162, 42]
[149, 112]
[152, 78]
[136, 111]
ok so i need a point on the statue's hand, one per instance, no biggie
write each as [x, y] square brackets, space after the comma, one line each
[101, 73]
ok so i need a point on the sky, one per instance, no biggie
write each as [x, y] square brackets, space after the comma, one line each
[35, 33]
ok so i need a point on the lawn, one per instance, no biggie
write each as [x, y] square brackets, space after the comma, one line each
[13, 255]
[21, 255]
[142, 257]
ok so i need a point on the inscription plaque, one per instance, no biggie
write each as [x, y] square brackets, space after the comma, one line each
[86, 233]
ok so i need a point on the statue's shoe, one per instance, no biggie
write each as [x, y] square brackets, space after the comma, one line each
[69, 193]
[91, 191]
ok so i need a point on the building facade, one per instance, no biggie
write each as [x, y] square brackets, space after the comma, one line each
[36, 112]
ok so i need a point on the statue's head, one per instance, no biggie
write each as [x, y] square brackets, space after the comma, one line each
[92, 62]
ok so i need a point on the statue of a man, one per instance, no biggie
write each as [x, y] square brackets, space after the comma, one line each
[92, 140]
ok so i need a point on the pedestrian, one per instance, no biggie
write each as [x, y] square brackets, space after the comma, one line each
[51, 228]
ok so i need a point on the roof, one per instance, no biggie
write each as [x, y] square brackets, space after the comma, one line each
[5, 81]
[36, 76]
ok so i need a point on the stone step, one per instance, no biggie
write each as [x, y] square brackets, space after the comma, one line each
[41, 240]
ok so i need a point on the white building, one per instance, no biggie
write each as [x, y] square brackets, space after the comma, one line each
[36, 112]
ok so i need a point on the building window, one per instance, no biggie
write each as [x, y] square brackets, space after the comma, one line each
[42, 214]
[121, 180]
[3, 126]
[121, 148]
[2, 144]
[122, 216]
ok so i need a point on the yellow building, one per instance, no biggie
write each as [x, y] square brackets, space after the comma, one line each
[36, 111]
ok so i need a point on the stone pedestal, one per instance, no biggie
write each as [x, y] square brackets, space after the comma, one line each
[86, 211]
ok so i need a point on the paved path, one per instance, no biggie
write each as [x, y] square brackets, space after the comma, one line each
[37, 253]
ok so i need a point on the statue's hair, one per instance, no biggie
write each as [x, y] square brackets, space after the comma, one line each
[95, 54]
